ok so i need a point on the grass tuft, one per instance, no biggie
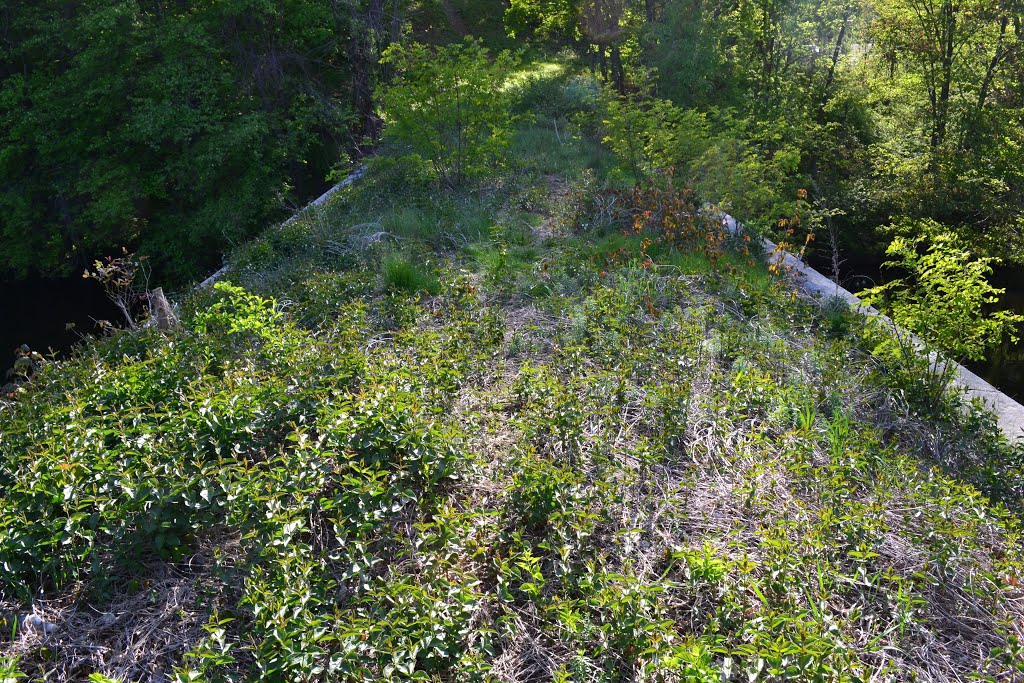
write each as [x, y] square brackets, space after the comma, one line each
[400, 274]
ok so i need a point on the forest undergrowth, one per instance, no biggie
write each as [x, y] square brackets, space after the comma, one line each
[537, 430]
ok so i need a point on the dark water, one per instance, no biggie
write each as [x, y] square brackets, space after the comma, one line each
[1004, 367]
[37, 311]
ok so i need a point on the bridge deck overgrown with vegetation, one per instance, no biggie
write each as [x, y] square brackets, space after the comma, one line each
[532, 429]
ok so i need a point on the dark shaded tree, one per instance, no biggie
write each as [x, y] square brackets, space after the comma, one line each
[175, 127]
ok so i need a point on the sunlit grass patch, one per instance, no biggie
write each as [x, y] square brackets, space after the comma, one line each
[536, 69]
[400, 273]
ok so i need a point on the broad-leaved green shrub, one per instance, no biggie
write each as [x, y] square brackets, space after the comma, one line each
[947, 302]
[449, 105]
[945, 305]
[650, 133]
[144, 446]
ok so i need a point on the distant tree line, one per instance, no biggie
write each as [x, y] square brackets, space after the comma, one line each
[179, 127]
[884, 109]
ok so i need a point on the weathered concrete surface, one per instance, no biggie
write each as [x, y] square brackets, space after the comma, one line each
[1009, 413]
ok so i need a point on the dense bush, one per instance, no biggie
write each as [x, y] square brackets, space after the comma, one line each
[176, 128]
[449, 106]
[654, 135]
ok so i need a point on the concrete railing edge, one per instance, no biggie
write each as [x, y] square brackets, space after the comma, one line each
[319, 201]
[1009, 413]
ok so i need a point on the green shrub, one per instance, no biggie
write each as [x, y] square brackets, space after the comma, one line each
[449, 106]
[549, 98]
[649, 133]
[541, 493]
[947, 304]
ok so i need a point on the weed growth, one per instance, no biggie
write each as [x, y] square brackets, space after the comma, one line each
[606, 447]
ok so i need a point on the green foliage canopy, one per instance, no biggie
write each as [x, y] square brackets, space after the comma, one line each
[548, 19]
[173, 127]
[450, 106]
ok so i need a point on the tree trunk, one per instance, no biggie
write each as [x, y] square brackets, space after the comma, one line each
[160, 310]
[375, 16]
[836, 53]
[617, 73]
[993, 64]
[362, 76]
[454, 19]
[396, 22]
[649, 7]
[941, 106]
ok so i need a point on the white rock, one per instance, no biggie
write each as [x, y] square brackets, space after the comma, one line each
[34, 622]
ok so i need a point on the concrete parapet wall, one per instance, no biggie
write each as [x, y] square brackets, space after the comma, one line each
[356, 175]
[1009, 413]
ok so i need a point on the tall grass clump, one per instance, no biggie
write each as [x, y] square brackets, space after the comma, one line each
[401, 274]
